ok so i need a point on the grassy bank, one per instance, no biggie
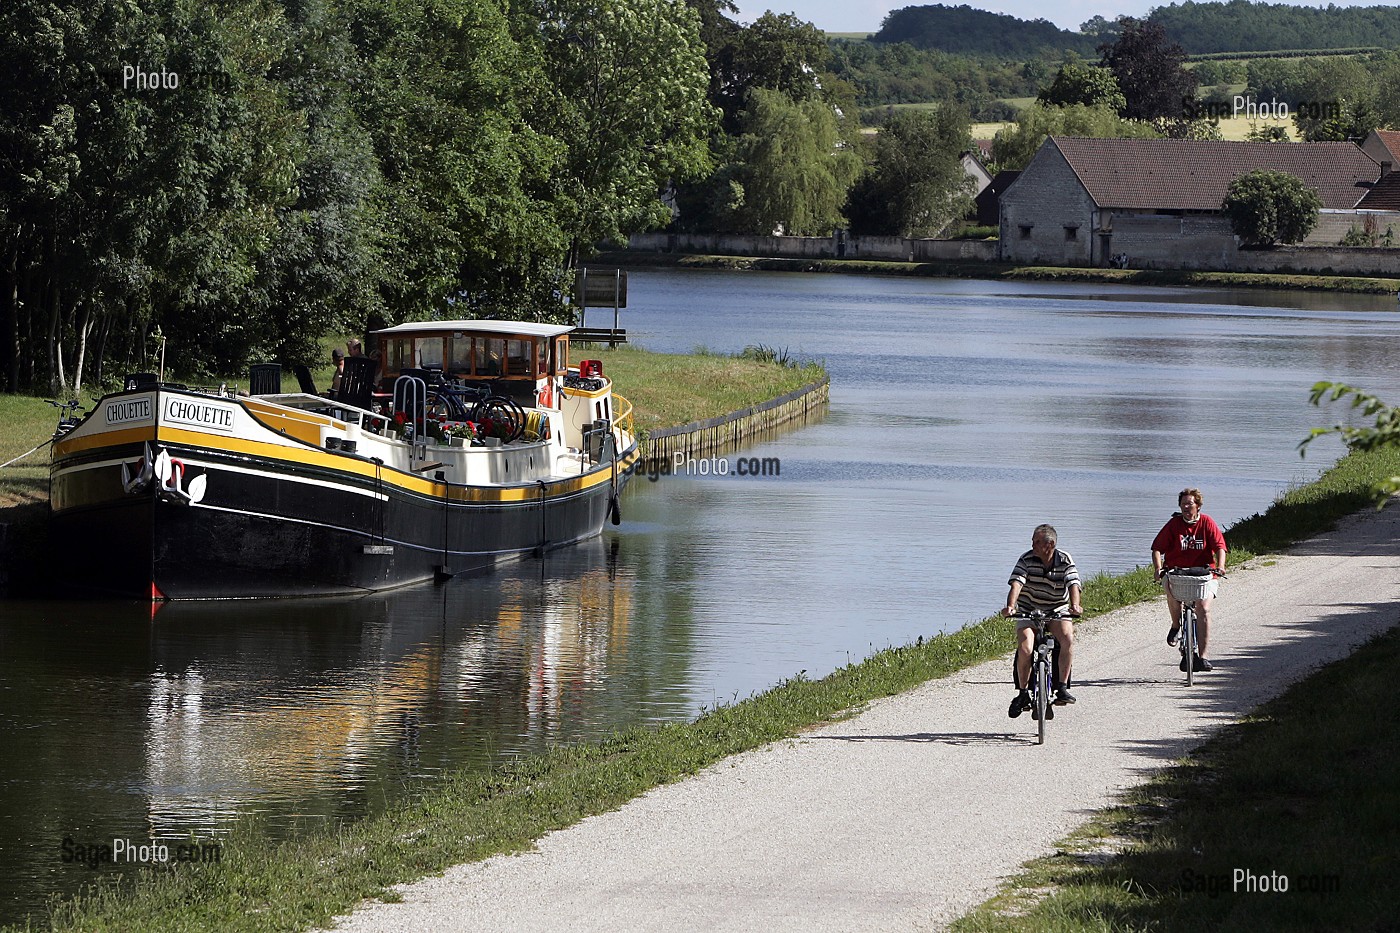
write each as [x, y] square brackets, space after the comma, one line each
[1361, 285]
[28, 422]
[1305, 789]
[260, 885]
[669, 390]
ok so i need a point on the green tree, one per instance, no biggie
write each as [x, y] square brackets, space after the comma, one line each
[1268, 133]
[628, 81]
[1078, 83]
[1336, 100]
[464, 204]
[1014, 146]
[1097, 27]
[1266, 207]
[322, 269]
[792, 169]
[916, 185]
[1150, 71]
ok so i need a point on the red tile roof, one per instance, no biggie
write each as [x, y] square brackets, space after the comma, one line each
[1384, 196]
[1184, 174]
[1390, 139]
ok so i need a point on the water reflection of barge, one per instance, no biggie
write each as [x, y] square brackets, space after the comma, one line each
[169, 492]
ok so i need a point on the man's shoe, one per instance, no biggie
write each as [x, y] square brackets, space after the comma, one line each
[1172, 635]
[1063, 697]
[1183, 664]
[1200, 664]
[1019, 704]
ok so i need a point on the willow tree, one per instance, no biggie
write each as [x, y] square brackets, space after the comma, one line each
[793, 169]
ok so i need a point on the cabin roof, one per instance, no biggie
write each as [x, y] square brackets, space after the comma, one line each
[520, 328]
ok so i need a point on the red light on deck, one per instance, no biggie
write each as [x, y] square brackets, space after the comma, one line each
[156, 595]
[587, 368]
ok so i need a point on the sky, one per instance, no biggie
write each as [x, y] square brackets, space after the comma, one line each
[866, 15]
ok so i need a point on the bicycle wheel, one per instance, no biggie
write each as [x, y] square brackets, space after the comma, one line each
[1042, 696]
[442, 405]
[502, 416]
[1188, 641]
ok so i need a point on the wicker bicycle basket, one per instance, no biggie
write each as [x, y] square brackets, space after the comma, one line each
[1189, 588]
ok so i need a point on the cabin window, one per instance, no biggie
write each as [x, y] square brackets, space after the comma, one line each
[541, 366]
[461, 355]
[1071, 233]
[395, 351]
[429, 352]
[491, 356]
[518, 357]
[561, 355]
[1025, 231]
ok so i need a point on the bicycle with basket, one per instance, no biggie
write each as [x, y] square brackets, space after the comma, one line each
[1188, 586]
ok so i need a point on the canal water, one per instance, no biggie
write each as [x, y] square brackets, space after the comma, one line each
[962, 414]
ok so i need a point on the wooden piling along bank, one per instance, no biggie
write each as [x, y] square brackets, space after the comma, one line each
[726, 432]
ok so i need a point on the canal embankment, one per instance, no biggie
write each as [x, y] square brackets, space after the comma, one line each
[309, 880]
[992, 270]
[670, 447]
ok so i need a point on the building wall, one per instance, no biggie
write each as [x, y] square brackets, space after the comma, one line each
[1377, 150]
[1207, 242]
[1040, 206]
[1332, 226]
[1333, 260]
[1165, 241]
[899, 249]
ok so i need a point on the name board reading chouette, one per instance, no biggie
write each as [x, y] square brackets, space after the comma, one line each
[199, 414]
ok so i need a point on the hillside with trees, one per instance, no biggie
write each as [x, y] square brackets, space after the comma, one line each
[902, 74]
[1243, 26]
[967, 31]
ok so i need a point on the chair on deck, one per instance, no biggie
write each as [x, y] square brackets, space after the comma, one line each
[304, 379]
[357, 382]
[265, 379]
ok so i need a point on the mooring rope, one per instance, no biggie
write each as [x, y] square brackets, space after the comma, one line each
[26, 453]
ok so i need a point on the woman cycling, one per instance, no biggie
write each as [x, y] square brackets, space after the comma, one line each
[1190, 539]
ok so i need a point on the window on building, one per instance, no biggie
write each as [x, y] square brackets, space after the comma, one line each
[1071, 233]
[1025, 232]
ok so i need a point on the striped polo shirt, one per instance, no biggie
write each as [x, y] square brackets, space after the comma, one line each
[1042, 587]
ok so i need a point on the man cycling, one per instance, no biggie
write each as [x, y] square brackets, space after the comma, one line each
[1044, 578]
[1191, 539]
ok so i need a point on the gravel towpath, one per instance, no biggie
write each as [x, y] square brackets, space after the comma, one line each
[902, 817]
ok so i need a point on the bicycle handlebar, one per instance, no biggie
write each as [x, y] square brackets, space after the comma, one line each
[1192, 572]
[1040, 615]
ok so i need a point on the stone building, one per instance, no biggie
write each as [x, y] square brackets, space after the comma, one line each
[1155, 203]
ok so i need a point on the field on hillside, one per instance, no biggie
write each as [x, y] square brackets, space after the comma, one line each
[1235, 128]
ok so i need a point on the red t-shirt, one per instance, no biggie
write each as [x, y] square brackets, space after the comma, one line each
[1184, 545]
